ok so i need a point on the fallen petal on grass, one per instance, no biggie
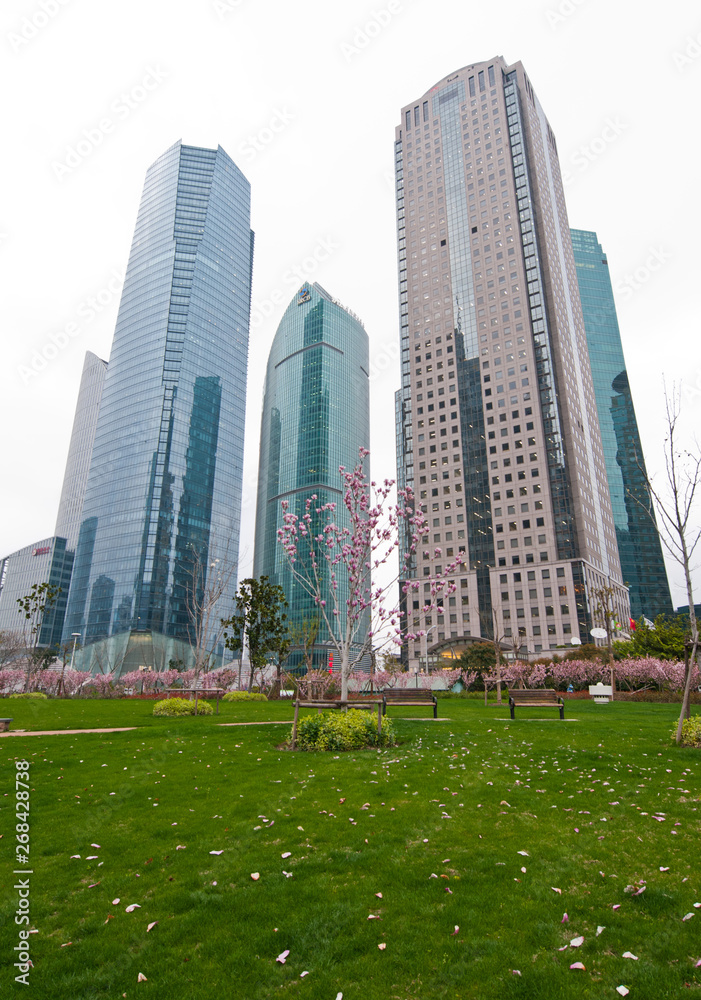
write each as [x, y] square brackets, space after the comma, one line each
[255, 876]
[577, 942]
[629, 954]
[623, 990]
[151, 925]
[132, 907]
[578, 965]
[282, 957]
[382, 946]
[141, 978]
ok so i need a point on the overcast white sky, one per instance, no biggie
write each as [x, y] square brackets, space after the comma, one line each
[318, 88]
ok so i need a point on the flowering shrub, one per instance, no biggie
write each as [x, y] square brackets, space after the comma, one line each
[181, 706]
[691, 732]
[29, 694]
[352, 730]
[243, 696]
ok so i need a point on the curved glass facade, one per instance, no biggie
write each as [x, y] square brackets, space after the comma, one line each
[642, 563]
[315, 418]
[163, 498]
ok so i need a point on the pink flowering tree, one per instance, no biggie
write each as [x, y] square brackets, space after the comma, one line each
[322, 555]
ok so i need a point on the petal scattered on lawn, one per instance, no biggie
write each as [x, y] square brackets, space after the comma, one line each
[382, 946]
[523, 870]
[524, 853]
[623, 990]
[282, 957]
[151, 925]
[92, 857]
[456, 931]
[181, 847]
[663, 869]
[373, 916]
[558, 891]
[697, 906]
[74, 856]
[96, 845]
[255, 876]
[286, 854]
[698, 964]
[629, 954]
[688, 916]
[141, 978]
[565, 919]
[515, 972]
[66, 944]
[216, 852]
[93, 885]
[132, 907]
[577, 942]
[578, 965]
[379, 895]
[303, 974]
[616, 906]
[600, 928]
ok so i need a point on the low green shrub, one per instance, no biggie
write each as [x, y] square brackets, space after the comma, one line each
[30, 694]
[691, 732]
[243, 696]
[353, 730]
[181, 706]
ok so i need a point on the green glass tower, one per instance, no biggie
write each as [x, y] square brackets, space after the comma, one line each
[642, 563]
[315, 418]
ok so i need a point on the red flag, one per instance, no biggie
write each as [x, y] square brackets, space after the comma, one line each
[631, 622]
[330, 663]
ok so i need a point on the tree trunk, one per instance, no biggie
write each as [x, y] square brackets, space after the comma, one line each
[694, 643]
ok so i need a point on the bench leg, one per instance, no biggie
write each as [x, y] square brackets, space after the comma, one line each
[562, 712]
[435, 710]
[511, 708]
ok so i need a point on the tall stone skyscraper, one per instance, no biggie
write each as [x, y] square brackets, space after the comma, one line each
[162, 504]
[639, 548]
[316, 417]
[497, 429]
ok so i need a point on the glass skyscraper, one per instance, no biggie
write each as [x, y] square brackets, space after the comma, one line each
[70, 508]
[163, 498]
[497, 429]
[315, 419]
[642, 563]
[46, 561]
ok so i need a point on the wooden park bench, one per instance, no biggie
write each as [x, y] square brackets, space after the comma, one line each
[409, 696]
[536, 698]
[362, 702]
[5, 725]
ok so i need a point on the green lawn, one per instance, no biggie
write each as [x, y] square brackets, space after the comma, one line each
[457, 800]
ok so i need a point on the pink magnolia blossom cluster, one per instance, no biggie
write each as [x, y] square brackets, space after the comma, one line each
[319, 549]
[631, 673]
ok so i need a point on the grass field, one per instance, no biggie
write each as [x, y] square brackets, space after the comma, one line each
[437, 825]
